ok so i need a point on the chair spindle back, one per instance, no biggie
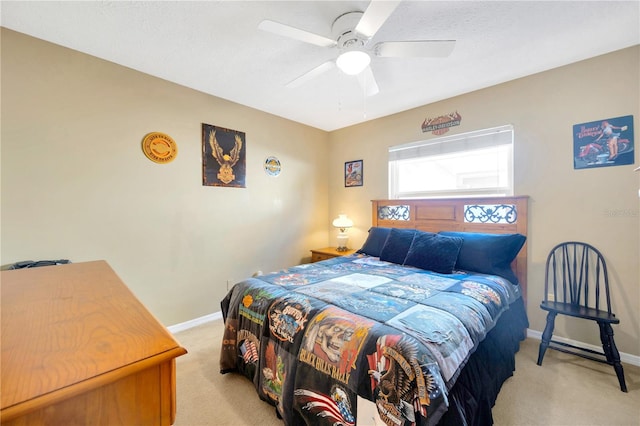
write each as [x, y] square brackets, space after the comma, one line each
[576, 274]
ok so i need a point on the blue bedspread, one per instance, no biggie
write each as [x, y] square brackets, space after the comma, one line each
[357, 340]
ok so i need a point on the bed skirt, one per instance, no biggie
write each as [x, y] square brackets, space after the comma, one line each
[474, 394]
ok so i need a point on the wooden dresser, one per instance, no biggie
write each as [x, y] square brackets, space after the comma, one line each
[78, 348]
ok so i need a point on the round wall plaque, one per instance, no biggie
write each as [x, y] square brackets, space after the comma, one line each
[272, 166]
[159, 147]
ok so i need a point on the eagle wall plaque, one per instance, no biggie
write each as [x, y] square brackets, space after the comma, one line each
[223, 157]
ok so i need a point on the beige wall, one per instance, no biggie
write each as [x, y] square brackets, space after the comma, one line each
[75, 183]
[599, 206]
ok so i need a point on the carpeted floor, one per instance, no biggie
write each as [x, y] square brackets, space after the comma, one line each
[566, 390]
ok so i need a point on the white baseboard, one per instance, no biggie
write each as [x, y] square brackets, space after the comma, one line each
[534, 334]
[194, 322]
[624, 357]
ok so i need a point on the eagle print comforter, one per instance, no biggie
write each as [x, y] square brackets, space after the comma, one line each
[355, 340]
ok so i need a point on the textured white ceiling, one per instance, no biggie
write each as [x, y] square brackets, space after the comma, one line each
[216, 47]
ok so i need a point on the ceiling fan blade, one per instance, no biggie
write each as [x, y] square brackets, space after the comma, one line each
[368, 82]
[420, 49]
[295, 33]
[376, 14]
[322, 68]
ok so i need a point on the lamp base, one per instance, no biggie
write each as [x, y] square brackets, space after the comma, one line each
[343, 238]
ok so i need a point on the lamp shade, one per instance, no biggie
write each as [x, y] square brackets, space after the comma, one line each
[342, 222]
[353, 62]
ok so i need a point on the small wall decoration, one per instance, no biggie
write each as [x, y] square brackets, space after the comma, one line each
[159, 147]
[441, 125]
[353, 173]
[223, 157]
[603, 143]
[272, 166]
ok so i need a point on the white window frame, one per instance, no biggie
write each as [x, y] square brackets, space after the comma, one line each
[501, 138]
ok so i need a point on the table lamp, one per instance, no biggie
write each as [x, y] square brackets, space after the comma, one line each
[342, 223]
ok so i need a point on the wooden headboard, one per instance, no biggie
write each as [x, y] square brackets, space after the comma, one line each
[497, 215]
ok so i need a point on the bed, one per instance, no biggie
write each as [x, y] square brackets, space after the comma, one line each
[419, 327]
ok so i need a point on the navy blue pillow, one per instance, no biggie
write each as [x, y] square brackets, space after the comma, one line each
[397, 245]
[488, 253]
[375, 241]
[437, 253]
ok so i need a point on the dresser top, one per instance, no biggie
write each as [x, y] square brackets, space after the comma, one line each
[65, 324]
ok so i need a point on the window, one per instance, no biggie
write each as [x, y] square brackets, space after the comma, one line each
[470, 164]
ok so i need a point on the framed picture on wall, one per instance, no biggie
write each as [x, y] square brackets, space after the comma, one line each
[223, 157]
[603, 143]
[353, 173]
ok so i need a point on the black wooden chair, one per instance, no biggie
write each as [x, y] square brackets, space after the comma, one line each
[577, 285]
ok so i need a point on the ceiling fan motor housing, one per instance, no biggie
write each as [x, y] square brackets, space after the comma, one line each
[343, 30]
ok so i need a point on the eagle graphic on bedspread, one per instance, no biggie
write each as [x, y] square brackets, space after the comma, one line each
[400, 385]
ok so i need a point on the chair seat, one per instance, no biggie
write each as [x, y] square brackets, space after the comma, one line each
[580, 312]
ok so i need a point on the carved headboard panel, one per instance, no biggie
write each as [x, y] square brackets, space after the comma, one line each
[497, 215]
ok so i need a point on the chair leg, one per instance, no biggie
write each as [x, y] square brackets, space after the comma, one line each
[611, 352]
[606, 344]
[546, 336]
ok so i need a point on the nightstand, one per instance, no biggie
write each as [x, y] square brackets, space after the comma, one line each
[327, 253]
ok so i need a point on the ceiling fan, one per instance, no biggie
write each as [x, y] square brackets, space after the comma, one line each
[351, 33]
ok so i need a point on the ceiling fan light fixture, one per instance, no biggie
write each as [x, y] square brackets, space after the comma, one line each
[353, 62]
